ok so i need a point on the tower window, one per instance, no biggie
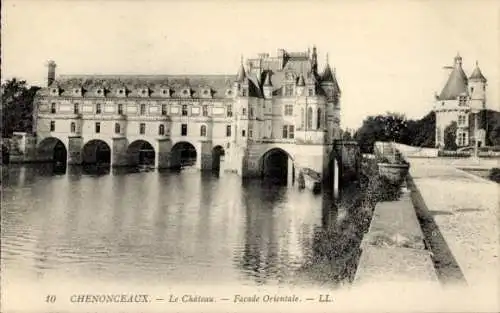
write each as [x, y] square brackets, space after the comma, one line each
[98, 108]
[244, 111]
[184, 110]
[251, 112]
[73, 127]
[310, 92]
[318, 119]
[471, 89]
[285, 131]
[309, 118]
[288, 131]
[243, 133]
[288, 110]
[205, 110]
[288, 90]
[143, 109]
[97, 127]
[164, 109]
[203, 131]
[184, 129]
[142, 128]
[120, 108]
[117, 128]
[76, 108]
[228, 131]
[161, 130]
[52, 126]
[244, 92]
[53, 108]
[302, 118]
[229, 111]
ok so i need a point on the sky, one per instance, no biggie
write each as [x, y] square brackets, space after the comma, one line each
[389, 55]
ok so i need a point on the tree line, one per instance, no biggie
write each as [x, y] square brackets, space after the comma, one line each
[17, 107]
[418, 132]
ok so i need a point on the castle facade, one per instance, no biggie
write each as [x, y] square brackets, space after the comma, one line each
[273, 105]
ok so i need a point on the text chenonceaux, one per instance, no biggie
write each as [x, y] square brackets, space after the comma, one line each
[188, 298]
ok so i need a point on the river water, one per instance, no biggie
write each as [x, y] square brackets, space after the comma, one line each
[161, 227]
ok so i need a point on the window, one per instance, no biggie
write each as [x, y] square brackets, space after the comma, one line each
[251, 112]
[98, 108]
[288, 110]
[184, 129]
[244, 92]
[161, 130]
[250, 133]
[76, 108]
[184, 110]
[143, 109]
[302, 118]
[244, 111]
[309, 118]
[438, 135]
[205, 110]
[73, 127]
[310, 92]
[52, 126]
[288, 131]
[288, 90]
[53, 108]
[318, 119]
[228, 130]
[462, 120]
[462, 101]
[117, 128]
[471, 89]
[164, 109]
[243, 133]
[203, 131]
[229, 111]
[97, 127]
[120, 108]
[142, 128]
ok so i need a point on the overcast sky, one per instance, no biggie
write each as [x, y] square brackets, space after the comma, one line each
[389, 55]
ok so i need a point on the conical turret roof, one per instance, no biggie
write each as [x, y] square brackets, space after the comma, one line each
[327, 75]
[456, 84]
[477, 75]
[241, 76]
[267, 80]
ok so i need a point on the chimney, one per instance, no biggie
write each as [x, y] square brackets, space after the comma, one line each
[51, 73]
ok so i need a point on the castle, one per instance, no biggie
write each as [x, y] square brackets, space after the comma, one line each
[275, 109]
[461, 101]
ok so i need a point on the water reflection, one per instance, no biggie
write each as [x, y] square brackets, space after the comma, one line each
[126, 224]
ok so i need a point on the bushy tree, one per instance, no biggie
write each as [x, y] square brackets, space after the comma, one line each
[450, 136]
[388, 127]
[17, 106]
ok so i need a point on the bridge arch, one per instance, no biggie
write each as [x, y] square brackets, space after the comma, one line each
[218, 154]
[277, 165]
[52, 149]
[96, 151]
[183, 154]
[141, 152]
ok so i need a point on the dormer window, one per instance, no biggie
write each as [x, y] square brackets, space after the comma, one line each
[100, 92]
[185, 92]
[288, 90]
[229, 93]
[76, 91]
[55, 91]
[121, 92]
[165, 92]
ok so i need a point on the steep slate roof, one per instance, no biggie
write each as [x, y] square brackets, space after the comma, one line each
[219, 84]
[477, 75]
[456, 84]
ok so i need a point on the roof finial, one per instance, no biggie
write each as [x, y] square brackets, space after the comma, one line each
[241, 59]
[477, 63]
[327, 58]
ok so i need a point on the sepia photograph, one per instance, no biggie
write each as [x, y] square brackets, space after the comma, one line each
[250, 156]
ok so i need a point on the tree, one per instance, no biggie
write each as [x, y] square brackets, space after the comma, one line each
[388, 127]
[450, 136]
[17, 107]
[421, 132]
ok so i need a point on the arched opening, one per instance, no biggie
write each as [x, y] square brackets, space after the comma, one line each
[218, 154]
[277, 167]
[96, 152]
[52, 150]
[183, 155]
[141, 153]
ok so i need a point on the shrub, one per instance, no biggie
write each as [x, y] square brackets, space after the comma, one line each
[495, 175]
